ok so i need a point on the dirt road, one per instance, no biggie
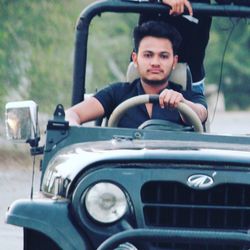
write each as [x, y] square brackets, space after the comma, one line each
[231, 123]
[15, 179]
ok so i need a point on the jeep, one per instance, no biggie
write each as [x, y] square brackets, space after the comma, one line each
[104, 187]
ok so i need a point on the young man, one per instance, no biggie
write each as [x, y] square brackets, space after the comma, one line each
[195, 35]
[155, 56]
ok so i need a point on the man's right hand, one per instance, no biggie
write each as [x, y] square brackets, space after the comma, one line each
[87, 110]
[178, 6]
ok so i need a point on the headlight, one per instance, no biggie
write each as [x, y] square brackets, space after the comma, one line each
[105, 202]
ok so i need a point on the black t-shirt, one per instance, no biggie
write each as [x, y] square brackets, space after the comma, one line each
[111, 96]
[195, 38]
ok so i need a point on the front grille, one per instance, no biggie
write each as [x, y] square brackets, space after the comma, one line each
[172, 204]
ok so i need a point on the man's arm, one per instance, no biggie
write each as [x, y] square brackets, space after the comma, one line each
[198, 108]
[87, 110]
[170, 99]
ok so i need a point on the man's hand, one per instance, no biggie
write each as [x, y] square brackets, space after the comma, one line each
[72, 118]
[178, 6]
[170, 98]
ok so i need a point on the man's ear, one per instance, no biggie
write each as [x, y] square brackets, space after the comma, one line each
[175, 61]
[134, 58]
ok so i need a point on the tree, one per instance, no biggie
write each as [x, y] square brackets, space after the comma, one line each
[235, 72]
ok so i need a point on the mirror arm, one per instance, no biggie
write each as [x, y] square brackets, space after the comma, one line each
[35, 150]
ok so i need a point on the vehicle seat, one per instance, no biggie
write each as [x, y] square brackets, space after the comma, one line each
[181, 75]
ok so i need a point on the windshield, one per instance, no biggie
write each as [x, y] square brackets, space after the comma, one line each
[226, 66]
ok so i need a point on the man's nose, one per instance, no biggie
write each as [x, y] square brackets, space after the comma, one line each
[155, 61]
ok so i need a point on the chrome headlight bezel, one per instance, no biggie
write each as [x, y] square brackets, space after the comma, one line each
[105, 202]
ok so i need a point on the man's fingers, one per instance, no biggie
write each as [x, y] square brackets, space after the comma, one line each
[189, 7]
[178, 6]
[181, 8]
[173, 101]
[166, 98]
[161, 100]
[170, 99]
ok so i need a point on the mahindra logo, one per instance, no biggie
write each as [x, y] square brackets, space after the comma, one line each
[200, 181]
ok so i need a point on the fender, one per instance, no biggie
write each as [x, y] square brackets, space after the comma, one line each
[54, 223]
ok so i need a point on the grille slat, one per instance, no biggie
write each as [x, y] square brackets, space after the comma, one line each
[196, 206]
[172, 204]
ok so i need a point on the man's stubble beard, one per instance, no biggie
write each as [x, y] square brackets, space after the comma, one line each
[154, 82]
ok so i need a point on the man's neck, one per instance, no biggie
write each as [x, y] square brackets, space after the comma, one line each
[152, 90]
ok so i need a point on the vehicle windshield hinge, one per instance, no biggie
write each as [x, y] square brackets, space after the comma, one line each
[57, 129]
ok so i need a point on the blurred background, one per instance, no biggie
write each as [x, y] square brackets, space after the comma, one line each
[36, 61]
[37, 45]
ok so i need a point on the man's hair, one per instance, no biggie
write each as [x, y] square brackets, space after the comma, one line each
[157, 29]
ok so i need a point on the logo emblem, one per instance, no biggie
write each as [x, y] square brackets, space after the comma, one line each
[200, 181]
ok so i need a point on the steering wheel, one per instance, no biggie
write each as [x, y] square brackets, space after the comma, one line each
[190, 116]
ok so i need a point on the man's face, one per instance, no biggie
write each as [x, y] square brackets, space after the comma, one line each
[155, 60]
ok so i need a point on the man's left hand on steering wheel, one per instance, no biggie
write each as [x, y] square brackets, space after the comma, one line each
[169, 98]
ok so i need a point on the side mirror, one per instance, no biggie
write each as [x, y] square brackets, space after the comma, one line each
[21, 120]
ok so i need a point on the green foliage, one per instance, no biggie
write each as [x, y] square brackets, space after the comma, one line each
[36, 50]
[110, 46]
[236, 64]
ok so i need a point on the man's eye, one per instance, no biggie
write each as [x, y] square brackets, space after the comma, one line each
[147, 55]
[164, 56]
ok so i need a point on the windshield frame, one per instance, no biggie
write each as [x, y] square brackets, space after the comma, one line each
[129, 6]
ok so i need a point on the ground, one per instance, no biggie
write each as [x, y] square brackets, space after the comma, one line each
[15, 179]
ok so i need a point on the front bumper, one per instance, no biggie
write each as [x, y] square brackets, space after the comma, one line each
[180, 236]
